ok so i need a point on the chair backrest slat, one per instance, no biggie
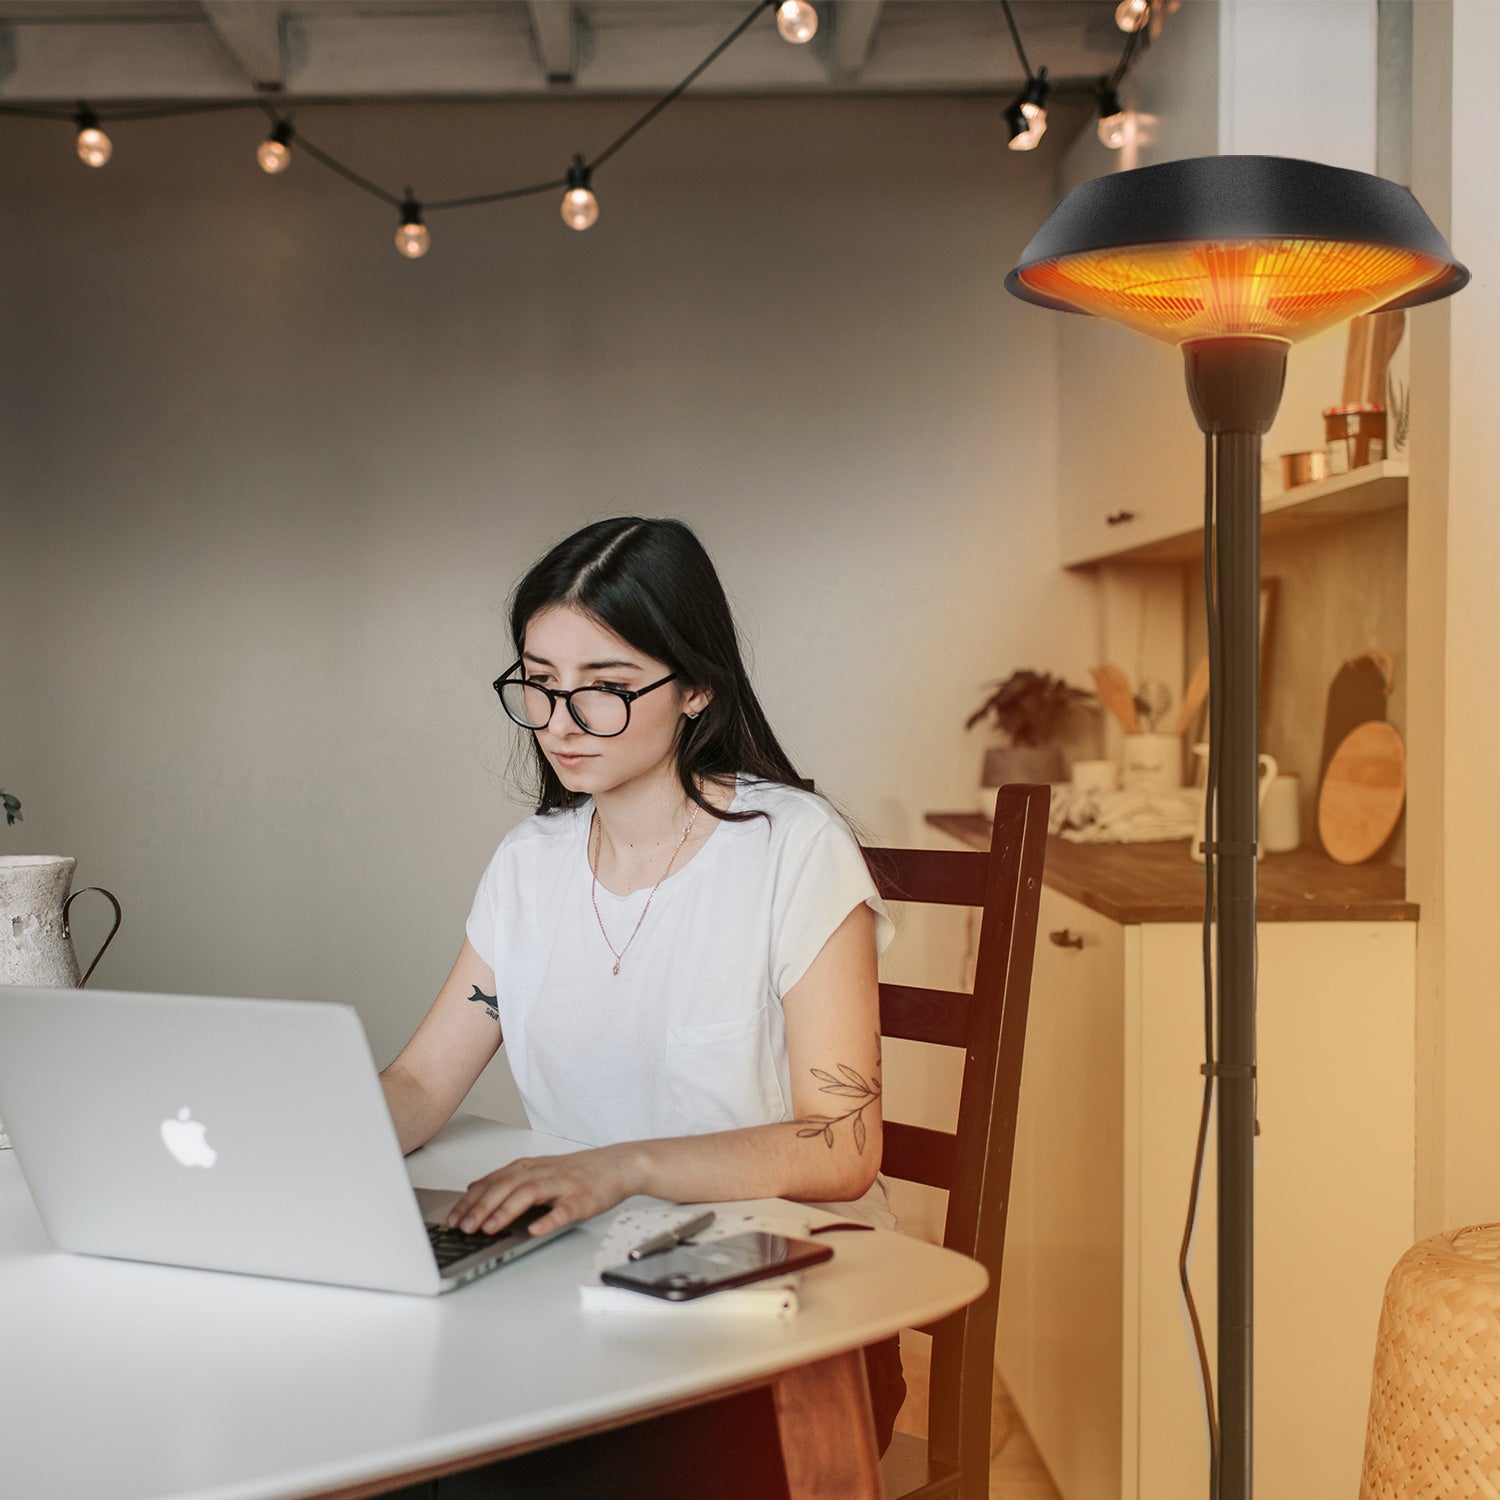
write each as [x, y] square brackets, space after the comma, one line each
[916, 1154]
[974, 1163]
[937, 877]
[920, 1015]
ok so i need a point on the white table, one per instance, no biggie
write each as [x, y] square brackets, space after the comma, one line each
[122, 1381]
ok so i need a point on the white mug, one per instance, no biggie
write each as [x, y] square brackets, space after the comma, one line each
[1280, 824]
[1095, 775]
[1151, 762]
[1267, 776]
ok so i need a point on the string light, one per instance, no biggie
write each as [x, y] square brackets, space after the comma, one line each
[412, 238]
[1022, 137]
[797, 21]
[1111, 125]
[1034, 102]
[275, 152]
[94, 147]
[1131, 15]
[580, 208]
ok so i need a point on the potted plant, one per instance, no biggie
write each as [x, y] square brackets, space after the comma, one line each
[1029, 709]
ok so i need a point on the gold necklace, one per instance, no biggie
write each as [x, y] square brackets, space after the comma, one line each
[598, 844]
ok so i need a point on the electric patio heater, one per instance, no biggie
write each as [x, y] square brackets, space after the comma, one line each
[1235, 258]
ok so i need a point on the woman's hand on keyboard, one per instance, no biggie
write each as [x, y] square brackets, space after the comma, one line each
[577, 1185]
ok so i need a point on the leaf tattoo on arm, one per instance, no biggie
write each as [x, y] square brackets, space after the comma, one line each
[850, 1084]
[487, 1001]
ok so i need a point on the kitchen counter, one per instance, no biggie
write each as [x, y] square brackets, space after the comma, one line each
[1132, 883]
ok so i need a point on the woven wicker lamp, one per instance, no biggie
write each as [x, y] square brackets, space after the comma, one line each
[1434, 1425]
[1234, 259]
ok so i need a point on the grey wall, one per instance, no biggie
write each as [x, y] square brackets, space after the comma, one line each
[266, 486]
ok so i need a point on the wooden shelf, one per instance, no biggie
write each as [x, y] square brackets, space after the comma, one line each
[1132, 883]
[1365, 491]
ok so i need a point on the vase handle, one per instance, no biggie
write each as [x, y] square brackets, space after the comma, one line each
[112, 931]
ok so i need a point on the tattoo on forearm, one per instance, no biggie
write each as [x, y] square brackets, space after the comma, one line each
[849, 1085]
[487, 1001]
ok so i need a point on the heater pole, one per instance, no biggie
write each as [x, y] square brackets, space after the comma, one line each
[1238, 575]
[1235, 387]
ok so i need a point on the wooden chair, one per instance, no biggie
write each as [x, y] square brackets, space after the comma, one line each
[973, 1164]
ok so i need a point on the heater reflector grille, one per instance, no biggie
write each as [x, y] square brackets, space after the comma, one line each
[1278, 288]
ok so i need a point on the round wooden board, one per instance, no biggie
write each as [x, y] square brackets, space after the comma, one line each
[1363, 792]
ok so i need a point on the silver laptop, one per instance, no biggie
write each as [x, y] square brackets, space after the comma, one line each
[233, 1135]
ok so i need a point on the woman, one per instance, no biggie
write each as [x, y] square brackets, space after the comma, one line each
[679, 947]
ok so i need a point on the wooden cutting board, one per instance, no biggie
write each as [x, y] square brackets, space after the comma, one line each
[1363, 792]
[1356, 695]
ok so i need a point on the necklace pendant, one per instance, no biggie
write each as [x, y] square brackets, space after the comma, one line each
[616, 968]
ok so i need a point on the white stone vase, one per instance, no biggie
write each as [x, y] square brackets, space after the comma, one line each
[36, 946]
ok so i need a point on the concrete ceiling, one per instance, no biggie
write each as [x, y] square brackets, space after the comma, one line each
[112, 51]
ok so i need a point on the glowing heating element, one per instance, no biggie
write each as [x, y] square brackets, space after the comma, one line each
[1287, 288]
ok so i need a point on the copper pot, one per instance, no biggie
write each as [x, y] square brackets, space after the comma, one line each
[1303, 468]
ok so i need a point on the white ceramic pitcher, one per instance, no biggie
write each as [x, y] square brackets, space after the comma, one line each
[36, 946]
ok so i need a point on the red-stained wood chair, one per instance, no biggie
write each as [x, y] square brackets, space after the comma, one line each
[973, 1164]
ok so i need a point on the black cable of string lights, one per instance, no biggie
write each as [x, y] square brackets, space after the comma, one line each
[577, 176]
[582, 170]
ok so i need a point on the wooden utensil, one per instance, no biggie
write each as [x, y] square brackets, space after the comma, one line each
[1192, 699]
[1153, 700]
[1114, 693]
[1372, 341]
[1385, 333]
[1363, 793]
[1356, 358]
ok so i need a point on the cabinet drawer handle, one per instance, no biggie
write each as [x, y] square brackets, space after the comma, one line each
[1062, 938]
[1119, 518]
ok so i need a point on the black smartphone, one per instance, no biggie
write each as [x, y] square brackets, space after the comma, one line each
[690, 1271]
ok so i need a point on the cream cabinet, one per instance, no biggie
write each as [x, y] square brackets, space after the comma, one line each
[1094, 1341]
[1112, 496]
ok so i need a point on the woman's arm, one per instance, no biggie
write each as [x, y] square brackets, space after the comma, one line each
[438, 1066]
[830, 1152]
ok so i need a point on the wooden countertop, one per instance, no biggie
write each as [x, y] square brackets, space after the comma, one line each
[1131, 883]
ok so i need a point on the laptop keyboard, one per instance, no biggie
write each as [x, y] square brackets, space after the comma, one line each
[452, 1245]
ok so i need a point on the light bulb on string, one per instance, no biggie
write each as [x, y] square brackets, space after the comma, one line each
[1022, 136]
[1111, 125]
[94, 147]
[580, 208]
[412, 238]
[275, 152]
[797, 21]
[1131, 15]
[1034, 102]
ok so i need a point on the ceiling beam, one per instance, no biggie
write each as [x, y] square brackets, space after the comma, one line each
[250, 31]
[854, 23]
[555, 32]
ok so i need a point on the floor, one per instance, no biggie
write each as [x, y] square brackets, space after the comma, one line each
[1016, 1469]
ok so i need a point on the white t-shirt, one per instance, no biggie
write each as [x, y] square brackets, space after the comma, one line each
[689, 1037]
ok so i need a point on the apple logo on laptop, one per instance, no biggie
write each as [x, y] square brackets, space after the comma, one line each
[185, 1140]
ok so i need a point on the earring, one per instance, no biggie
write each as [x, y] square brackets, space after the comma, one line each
[694, 716]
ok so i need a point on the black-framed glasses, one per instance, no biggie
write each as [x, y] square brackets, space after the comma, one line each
[601, 711]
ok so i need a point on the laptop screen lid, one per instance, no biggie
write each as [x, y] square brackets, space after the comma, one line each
[234, 1135]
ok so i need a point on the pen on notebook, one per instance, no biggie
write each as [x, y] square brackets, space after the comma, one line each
[670, 1237]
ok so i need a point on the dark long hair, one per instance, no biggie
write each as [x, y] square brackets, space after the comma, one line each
[652, 583]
